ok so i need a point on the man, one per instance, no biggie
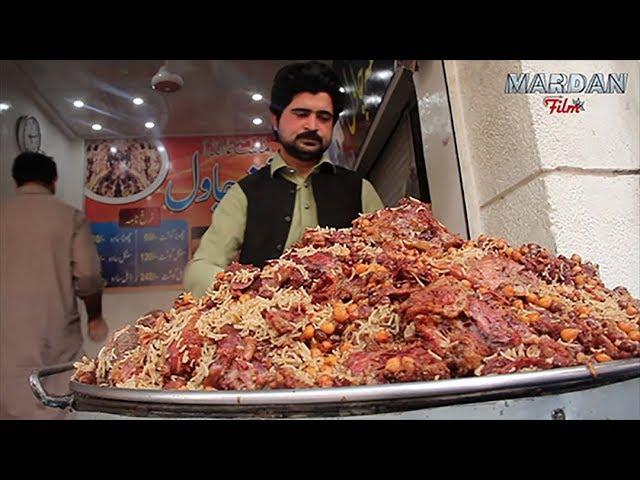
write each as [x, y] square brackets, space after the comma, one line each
[264, 213]
[48, 258]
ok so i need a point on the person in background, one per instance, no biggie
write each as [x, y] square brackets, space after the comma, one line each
[48, 259]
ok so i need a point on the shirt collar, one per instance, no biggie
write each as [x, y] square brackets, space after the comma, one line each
[31, 188]
[278, 163]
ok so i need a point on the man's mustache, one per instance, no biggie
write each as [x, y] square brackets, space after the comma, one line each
[309, 136]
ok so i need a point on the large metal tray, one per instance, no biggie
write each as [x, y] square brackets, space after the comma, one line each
[328, 402]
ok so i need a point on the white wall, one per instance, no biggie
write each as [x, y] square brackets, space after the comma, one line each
[66, 149]
[570, 182]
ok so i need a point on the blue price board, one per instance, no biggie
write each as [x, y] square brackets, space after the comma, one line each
[140, 257]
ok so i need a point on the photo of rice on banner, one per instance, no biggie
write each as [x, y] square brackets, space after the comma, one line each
[394, 298]
[150, 201]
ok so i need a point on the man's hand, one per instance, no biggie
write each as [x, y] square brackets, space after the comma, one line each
[97, 329]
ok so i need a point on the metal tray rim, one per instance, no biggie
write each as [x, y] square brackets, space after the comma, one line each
[579, 375]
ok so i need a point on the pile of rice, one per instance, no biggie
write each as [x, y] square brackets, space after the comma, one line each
[396, 297]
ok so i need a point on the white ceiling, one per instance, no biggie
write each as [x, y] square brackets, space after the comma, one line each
[215, 98]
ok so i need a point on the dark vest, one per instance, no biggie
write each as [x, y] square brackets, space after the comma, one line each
[270, 202]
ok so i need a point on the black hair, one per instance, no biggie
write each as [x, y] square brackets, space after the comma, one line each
[34, 167]
[313, 77]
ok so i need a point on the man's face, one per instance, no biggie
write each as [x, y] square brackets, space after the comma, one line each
[306, 126]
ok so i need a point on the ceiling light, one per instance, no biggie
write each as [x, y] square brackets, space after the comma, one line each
[256, 97]
[78, 104]
[138, 101]
[257, 121]
[372, 99]
[383, 74]
[161, 148]
[96, 126]
[149, 124]
[113, 149]
[4, 106]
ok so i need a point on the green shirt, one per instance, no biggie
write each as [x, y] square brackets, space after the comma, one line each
[223, 239]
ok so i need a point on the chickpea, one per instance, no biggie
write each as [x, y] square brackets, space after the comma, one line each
[408, 364]
[582, 310]
[326, 346]
[545, 302]
[530, 317]
[393, 365]
[325, 381]
[307, 333]
[340, 312]
[569, 334]
[634, 335]
[360, 268]
[382, 336]
[328, 328]
[508, 291]
[331, 360]
[603, 357]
